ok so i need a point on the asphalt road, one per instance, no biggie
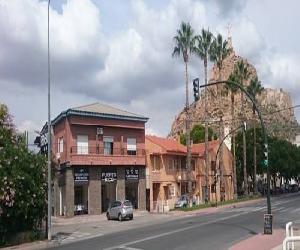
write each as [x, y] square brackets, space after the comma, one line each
[218, 230]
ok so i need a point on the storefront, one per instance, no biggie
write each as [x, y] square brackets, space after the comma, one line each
[90, 190]
[81, 184]
[108, 187]
[131, 185]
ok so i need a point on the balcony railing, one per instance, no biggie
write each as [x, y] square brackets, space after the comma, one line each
[82, 150]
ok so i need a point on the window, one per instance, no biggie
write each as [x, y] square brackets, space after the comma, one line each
[176, 164]
[108, 142]
[213, 188]
[82, 144]
[193, 163]
[171, 191]
[60, 145]
[213, 166]
[131, 146]
[183, 163]
[155, 163]
[171, 164]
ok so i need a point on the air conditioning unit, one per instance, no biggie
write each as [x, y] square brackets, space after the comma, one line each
[99, 131]
[57, 156]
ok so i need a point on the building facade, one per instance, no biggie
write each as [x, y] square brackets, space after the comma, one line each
[167, 175]
[220, 178]
[100, 158]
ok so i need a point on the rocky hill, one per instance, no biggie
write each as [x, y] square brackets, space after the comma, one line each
[274, 104]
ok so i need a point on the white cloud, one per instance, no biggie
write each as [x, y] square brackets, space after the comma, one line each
[131, 68]
[247, 40]
[29, 125]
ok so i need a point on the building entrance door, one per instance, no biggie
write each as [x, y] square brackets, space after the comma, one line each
[108, 194]
[131, 193]
[81, 198]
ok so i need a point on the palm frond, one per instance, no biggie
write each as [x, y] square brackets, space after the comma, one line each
[184, 41]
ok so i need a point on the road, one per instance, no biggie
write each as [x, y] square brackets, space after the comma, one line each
[218, 230]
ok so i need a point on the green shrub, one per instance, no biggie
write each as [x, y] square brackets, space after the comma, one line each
[22, 183]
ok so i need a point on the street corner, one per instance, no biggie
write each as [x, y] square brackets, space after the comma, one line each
[261, 241]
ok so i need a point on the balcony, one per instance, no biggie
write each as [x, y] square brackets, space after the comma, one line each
[81, 155]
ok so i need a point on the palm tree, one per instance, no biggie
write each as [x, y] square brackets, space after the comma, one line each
[202, 50]
[255, 88]
[185, 45]
[219, 50]
[233, 90]
[242, 74]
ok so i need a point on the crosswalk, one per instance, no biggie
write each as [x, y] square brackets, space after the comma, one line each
[74, 236]
[277, 207]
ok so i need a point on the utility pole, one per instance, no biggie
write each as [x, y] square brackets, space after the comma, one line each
[49, 143]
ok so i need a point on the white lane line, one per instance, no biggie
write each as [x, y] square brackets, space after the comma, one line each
[173, 232]
[129, 248]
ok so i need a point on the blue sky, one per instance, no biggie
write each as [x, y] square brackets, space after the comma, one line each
[119, 52]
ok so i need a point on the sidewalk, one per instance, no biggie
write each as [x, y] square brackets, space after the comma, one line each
[262, 242]
[209, 210]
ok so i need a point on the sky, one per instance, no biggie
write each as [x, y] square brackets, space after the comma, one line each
[118, 52]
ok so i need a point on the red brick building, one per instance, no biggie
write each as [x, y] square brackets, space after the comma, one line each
[100, 152]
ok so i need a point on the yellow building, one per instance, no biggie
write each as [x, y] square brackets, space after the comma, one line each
[167, 175]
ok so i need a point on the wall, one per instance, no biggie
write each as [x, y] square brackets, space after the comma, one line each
[70, 127]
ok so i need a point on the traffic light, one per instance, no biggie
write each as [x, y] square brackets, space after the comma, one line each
[266, 157]
[196, 89]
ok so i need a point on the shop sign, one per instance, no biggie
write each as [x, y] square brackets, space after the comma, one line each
[109, 175]
[131, 173]
[81, 174]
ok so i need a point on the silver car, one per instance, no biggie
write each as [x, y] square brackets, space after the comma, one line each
[120, 210]
[182, 201]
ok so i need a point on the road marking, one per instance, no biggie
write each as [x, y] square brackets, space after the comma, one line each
[173, 232]
[129, 248]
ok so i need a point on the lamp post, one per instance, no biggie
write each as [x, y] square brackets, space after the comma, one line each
[224, 138]
[265, 138]
[49, 142]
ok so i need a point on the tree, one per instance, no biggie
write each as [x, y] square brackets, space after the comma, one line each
[203, 49]
[241, 75]
[233, 90]
[284, 157]
[23, 183]
[185, 45]
[198, 134]
[255, 88]
[219, 50]
[249, 152]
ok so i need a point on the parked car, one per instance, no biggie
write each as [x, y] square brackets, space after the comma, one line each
[120, 210]
[293, 188]
[183, 201]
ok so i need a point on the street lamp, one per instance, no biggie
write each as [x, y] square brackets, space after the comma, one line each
[49, 142]
[218, 150]
[265, 138]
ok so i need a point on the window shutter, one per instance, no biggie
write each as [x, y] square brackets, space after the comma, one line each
[131, 144]
[82, 144]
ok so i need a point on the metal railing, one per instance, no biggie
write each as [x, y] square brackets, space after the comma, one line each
[290, 239]
[97, 150]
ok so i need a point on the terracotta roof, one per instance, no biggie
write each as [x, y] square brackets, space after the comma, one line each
[170, 145]
[199, 148]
